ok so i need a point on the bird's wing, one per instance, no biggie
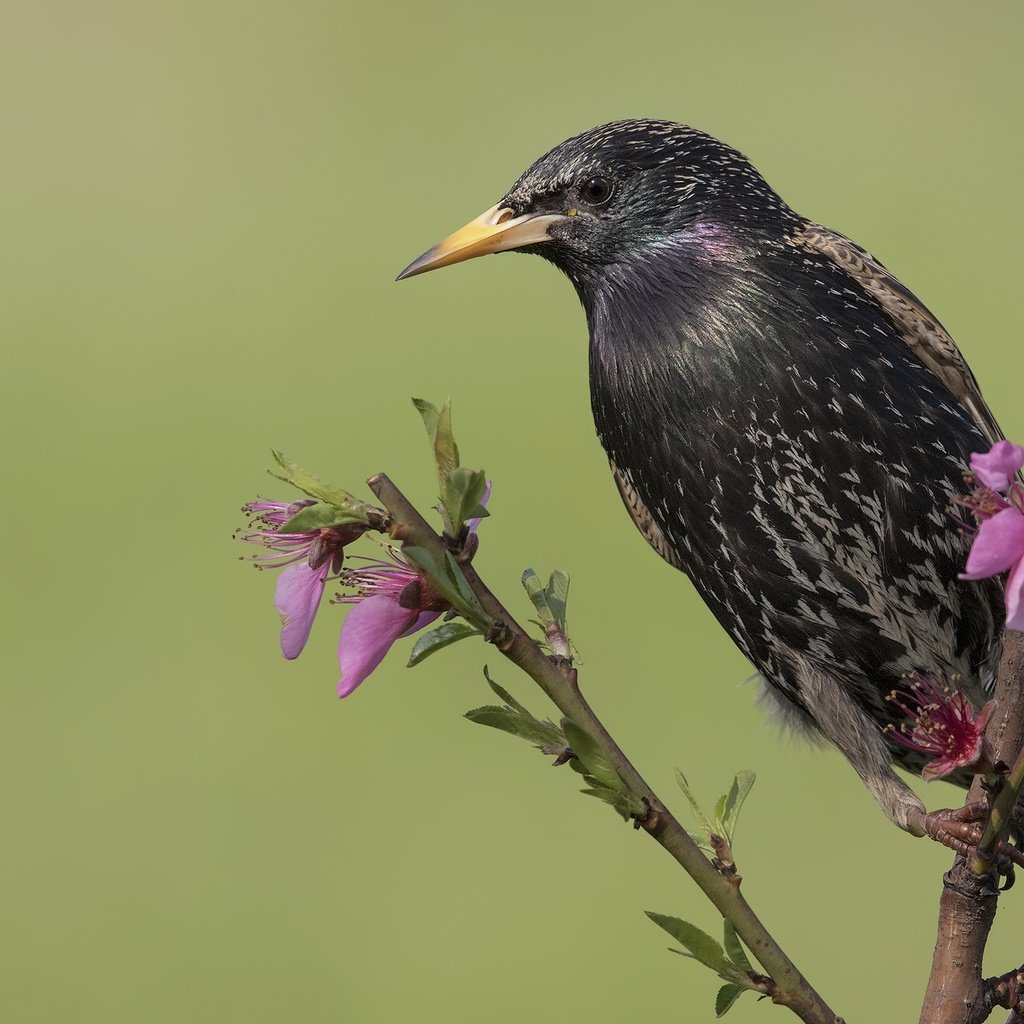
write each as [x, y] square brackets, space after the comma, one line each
[920, 330]
[641, 515]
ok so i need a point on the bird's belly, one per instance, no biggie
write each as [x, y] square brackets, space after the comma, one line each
[799, 461]
[789, 572]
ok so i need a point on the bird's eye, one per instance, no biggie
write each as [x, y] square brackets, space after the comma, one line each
[595, 191]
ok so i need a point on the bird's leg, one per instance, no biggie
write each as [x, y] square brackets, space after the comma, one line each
[843, 721]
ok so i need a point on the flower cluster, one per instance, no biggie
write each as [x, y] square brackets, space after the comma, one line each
[941, 722]
[392, 598]
[997, 504]
[308, 559]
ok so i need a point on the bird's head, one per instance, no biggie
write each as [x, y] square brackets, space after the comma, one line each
[605, 197]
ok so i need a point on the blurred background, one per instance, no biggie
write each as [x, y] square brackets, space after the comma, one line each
[204, 206]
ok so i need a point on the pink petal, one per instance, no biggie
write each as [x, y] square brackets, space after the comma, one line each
[424, 620]
[367, 634]
[1014, 593]
[296, 599]
[999, 543]
[997, 467]
[983, 716]
[939, 768]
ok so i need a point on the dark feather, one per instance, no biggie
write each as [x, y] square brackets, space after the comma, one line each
[914, 322]
[799, 458]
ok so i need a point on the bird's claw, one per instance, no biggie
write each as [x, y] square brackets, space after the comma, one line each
[1008, 991]
[960, 829]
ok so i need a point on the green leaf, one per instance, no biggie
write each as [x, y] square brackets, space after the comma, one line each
[430, 415]
[446, 454]
[720, 807]
[700, 839]
[439, 429]
[463, 492]
[734, 948]
[319, 516]
[516, 719]
[701, 946]
[525, 726]
[741, 786]
[617, 799]
[458, 579]
[504, 695]
[698, 811]
[557, 593]
[550, 600]
[536, 592]
[443, 636]
[727, 995]
[445, 450]
[438, 577]
[315, 487]
[448, 580]
[592, 757]
[604, 782]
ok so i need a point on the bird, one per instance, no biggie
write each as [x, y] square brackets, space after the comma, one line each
[784, 420]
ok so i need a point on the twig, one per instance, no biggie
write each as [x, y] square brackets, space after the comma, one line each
[956, 993]
[1010, 743]
[558, 679]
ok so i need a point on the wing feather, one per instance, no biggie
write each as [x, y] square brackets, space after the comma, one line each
[643, 519]
[919, 328]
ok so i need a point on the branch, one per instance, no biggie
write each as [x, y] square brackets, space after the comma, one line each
[956, 993]
[1007, 737]
[558, 679]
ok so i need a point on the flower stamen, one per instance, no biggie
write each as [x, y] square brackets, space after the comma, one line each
[941, 722]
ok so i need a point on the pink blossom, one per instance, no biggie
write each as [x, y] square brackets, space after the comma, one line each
[307, 558]
[998, 466]
[941, 722]
[998, 546]
[391, 601]
[997, 506]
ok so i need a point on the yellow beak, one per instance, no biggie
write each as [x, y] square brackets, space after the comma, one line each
[495, 230]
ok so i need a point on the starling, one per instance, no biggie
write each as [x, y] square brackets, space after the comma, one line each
[784, 420]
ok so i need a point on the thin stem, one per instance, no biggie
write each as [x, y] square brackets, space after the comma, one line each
[1007, 737]
[999, 818]
[559, 681]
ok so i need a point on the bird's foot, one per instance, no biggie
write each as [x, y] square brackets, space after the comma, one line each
[961, 828]
[1008, 991]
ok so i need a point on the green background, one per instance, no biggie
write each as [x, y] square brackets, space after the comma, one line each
[204, 206]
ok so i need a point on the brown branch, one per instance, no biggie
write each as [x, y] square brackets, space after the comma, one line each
[956, 993]
[558, 679]
[1006, 734]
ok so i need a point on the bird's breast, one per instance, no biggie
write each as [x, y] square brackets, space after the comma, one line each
[795, 459]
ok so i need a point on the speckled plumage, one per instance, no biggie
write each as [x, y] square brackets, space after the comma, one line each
[786, 424]
[799, 471]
